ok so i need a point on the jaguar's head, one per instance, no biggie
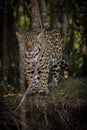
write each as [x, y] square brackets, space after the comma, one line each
[25, 38]
[30, 39]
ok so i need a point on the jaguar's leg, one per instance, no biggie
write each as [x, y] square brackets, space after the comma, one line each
[65, 68]
[60, 64]
[44, 73]
[56, 65]
[31, 81]
[55, 75]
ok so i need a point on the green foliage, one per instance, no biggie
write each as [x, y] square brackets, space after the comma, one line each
[6, 88]
[2, 87]
[75, 62]
[25, 22]
[75, 54]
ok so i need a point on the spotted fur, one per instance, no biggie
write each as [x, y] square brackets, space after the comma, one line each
[43, 51]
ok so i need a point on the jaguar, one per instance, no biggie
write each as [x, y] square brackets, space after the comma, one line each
[42, 51]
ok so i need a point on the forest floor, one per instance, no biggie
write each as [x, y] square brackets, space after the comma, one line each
[65, 108]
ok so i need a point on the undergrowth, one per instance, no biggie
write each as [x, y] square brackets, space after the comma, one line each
[71, 90]
[63, 109]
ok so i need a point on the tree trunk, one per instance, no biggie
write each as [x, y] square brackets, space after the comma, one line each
[35, 14]
[21, 68]
[44, 14]
[21, 49]
[53, 16]
[65, 26]
[5, 44]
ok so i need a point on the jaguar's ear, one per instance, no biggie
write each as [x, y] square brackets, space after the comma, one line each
[18, 35]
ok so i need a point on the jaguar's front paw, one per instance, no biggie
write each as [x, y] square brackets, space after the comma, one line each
[44, 91]
[53, 84]
[32, 91]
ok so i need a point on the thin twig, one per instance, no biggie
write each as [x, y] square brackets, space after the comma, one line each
[45, 115]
